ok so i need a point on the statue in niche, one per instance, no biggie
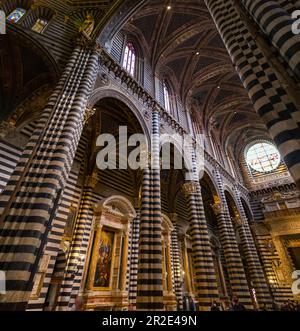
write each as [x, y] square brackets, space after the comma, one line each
[87, 26]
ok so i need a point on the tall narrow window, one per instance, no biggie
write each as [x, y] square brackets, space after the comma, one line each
[40, 25]
[167, 98]
[129, 58]
[16, 15]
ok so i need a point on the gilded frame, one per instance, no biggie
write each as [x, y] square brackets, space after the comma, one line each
[94, 259]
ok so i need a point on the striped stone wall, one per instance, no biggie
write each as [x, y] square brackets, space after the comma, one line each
[9, 157]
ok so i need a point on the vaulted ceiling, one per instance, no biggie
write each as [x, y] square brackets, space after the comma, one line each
[19, 78]
[182, 43]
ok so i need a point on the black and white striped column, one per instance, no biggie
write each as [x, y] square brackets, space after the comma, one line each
[252, 259]
[78, 254]
[277, 23]
[205, 281]
[176, 264]
[237, 277]
[269, 96]
[150, 285]
[204, 272]
[29, 202]
[133, 259]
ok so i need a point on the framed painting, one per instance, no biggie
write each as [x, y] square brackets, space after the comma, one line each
[103, 259]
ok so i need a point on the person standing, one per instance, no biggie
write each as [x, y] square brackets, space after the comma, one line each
[236, 306]
[214, 306]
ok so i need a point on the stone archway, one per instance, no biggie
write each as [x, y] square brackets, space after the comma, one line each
[110, 92]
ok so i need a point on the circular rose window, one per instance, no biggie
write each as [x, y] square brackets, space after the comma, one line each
[263, 157]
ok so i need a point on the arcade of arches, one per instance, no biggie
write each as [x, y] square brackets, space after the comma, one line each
[76, 236]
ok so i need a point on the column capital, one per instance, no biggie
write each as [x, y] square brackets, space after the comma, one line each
[167, 239]
[92, 180]
[84, 41]
[217, 208]
[238, 219]
[125, 231]
[98, 209]
[190, 188]
[182, 238]
[98, 225]
[237, 216]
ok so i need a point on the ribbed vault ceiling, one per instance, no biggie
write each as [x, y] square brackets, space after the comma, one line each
[184, 44]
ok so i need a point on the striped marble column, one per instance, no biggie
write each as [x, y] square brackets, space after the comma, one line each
[237, 277]
[277, 23]
[176, 264]
[204, 276]
[268, 94]
[78, 254]
[205, 281]
[254, 266]
[29, 202]
[134, 254]
[150, 285]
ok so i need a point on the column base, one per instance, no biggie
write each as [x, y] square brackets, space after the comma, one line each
[106, 301]
[170, 302]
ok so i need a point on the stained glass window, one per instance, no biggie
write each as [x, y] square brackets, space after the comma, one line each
[16, 15]
[167, 98]
[129, 58]
[40, 25]
[263, 157]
